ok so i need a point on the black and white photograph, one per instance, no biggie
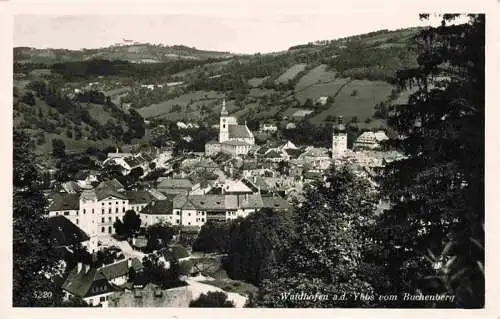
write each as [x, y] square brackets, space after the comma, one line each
[249, 160]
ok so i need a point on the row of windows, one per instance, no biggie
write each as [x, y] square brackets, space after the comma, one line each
[110, 229]
[110, 219]
[116, 210]
[116, 203]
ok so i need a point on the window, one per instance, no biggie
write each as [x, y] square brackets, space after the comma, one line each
[110, 219]
[123, 210]
[66, 213]
[57, 214]
[178, 222]
[123, 202]
[102, 220]
[102, 204]
[203, 220]
[77, 221]
[109, 203]
[91, 301]
[116, 203]
[102, 299]
[102, 229]
[92, 210]
[84, 211]
[116, 218]
[109, 211]
[103, 210]
[110, 229]
[197, 219]
[177, 212]
[189, 214]
[117, 209]
[189, 223]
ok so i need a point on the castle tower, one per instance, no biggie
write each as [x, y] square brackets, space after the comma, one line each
[224, 123]
[339, 139]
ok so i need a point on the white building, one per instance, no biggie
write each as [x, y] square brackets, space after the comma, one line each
[370, 140]
[339, 139]
[234, 139]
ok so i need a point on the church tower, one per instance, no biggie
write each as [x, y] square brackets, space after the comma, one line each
[224, 124]
[339, 139]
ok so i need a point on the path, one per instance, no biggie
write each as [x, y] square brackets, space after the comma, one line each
[197, 288]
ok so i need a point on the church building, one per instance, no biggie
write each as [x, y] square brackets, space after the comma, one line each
[234, 139]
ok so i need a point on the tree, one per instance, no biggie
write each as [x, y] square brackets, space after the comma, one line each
[330, 245]
[131, 222]
[433, 235]
[217, 299]
[159, 235]
[58, 148]
[34, 261]
[28, 98]
[256, 243]
[152, 165]
[213, 237]
[136, 173]
[119, 228]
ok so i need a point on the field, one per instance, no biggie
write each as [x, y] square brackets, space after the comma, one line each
[254, 82]
[163, 109]
[98, 113]
[291, 73]
[72, 146]
[314, 76]
[369, 93]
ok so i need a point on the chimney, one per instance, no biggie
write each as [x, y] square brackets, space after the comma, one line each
[129, 262]
[79, 267]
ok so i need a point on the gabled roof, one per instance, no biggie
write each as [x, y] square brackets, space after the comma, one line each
[105, 193]
[235, 187]
[138, 197]
[63, 232]
[208, 202]
[64, 201]
[111, 184]
[182, 183]
[182, 201]
[293, 153]
[79, 283]
[120, 268]
[155, 194]
[239, 131]
[159, 207]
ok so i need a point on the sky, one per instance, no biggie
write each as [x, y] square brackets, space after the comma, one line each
[234, 33]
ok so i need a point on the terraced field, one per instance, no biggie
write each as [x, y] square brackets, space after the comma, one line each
[291, 73]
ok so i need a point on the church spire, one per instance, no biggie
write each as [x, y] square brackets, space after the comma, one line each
[223, 112]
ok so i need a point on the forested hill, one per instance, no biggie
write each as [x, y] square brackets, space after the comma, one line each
[308, 85]
[136, 53]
